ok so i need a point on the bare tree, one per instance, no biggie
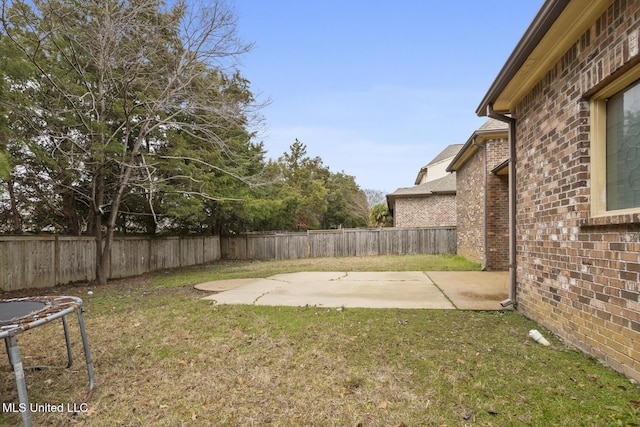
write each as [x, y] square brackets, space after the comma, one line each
[113, 79]
[374, 197]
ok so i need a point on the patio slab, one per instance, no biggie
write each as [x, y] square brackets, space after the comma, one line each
[407, 289]
[473, 290]
[223, 285]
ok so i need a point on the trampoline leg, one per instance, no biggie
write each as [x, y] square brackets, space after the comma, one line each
[14, 356]
[6, 344]
[85, 346]
[68, 341]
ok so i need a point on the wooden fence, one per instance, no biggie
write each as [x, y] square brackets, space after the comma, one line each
[340, 243]
[44, 261]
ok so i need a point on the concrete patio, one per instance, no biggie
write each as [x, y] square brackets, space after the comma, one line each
[448, 290]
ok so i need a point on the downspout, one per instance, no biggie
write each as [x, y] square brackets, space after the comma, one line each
[512, 202]
[486, 215]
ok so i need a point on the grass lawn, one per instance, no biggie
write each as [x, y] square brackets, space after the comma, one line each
[163, 356]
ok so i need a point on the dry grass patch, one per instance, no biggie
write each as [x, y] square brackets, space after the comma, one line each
[260, 269]
[165, 357]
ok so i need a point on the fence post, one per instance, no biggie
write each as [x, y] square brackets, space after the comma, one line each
[149, 254]
[275, 246]
[56, 260]
[343, 243]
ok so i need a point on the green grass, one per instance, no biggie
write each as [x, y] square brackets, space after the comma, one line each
[165, 357]
[251, 269]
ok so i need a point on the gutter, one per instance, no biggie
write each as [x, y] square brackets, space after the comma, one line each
[470, 147]
[548, 14]
[512, 202]
[498, 169]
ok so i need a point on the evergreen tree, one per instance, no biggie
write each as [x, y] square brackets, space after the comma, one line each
[117, 90]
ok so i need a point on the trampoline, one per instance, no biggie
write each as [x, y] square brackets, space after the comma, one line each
[21, 314]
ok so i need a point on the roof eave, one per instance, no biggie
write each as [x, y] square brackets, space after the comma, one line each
[423, 171]
[545, 18]
[557, 25]
[502, 168]
[470, 147]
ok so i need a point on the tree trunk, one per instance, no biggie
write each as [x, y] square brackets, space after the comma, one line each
[102, 259]
[102, 249]
[69, 209]
[15, 213]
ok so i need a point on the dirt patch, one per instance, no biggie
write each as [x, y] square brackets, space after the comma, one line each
[80, 287]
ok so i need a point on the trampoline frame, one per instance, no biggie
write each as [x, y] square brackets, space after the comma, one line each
[55, 307]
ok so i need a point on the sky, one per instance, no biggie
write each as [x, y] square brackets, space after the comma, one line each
[376, 89]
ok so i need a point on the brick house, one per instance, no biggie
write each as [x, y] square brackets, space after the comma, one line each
[569, 93]
[432, 201]
[482, 196]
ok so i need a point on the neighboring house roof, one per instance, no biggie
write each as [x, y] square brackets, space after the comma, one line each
[445, 154]
[450, 151]
[555, 28]
[490, 129]
[445, 185]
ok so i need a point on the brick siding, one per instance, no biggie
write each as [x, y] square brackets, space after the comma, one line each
[497, 151]
[429, 211]
[483, 207]
[576, 277]
[471, 208]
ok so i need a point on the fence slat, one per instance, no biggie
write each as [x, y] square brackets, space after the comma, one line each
[339, 243]
[44, 261]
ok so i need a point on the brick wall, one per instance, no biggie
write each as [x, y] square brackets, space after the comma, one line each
[497, 256]
[429, 211]
[471, 209]
[483, 207]
[577, 277]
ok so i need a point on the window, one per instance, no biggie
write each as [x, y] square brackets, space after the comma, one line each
[623, 149]
[615, 147]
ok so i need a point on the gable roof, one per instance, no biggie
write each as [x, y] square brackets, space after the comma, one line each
[445, 154]
[555, 28]
[490, 129]
[444, 185]
[448, 152]
[491, 125]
